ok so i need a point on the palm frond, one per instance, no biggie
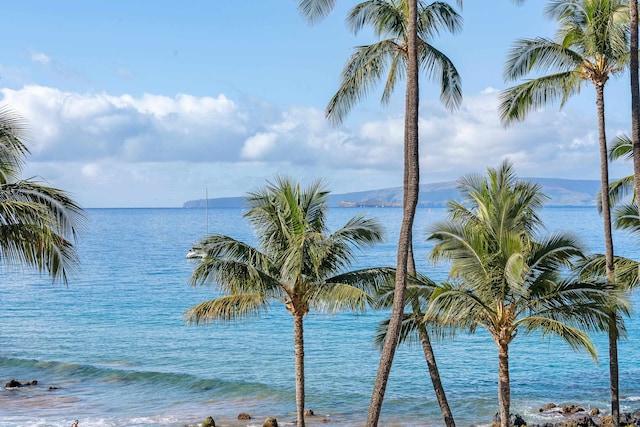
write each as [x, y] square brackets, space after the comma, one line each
[40, 225]
[360, 75]
[315, 10]
[626, 218]
[335, 297]
[576, 338]
[436, 17]
[440, 69]
[621, 147]
[408, 331]
[226, 308]
[540, 54]
[516, 102]
[385, 18]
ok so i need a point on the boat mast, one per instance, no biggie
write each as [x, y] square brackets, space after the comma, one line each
[206, 206]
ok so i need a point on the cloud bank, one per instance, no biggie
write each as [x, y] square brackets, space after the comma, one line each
[154, 150]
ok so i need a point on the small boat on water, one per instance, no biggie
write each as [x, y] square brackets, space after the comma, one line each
[196, 252]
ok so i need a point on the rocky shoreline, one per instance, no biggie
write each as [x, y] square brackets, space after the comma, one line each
[575, 416]
[568, 415]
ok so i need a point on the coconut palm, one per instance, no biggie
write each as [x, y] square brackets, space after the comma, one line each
[389, 59]
[591, 45]
[39, 224]
[298, 263]
[635, 94]
[504, 277]
[317, 9]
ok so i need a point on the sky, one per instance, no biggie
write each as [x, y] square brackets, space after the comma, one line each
[152, 104]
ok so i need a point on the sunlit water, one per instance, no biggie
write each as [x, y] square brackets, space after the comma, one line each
[114, 347]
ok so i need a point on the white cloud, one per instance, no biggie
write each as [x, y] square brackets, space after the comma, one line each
[40, 57]
[258, 145]
[155, 150]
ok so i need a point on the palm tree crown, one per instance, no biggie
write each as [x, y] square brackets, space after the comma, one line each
[369, 64]
[298, 263]
[591, 44]
[504, 277]
[39, 224]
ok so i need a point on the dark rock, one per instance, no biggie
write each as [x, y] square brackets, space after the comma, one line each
[606, 421]
[585, 421]
[34, 382]
[568, 410]
[516, 420]
[550, 406]
[13, 384]
[308, 413]
[208, 422]
[270, 422]
[626, 419]
[244, 416]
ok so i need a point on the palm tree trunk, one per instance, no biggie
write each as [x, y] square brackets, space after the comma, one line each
[635, 96]
[434, 373]
[613, 371]
[608, 237]
[504, 386]
[298, 338]
[411, 190]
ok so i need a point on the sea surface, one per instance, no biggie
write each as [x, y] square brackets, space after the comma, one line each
[112, 347]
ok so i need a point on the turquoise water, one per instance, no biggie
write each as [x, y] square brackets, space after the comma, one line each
[116, 348]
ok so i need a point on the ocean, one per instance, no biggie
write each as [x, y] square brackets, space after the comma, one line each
[112, 347]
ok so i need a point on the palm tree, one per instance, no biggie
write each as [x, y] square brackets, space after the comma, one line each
[391, 57]
[635, 94]
[504, 277]
[39, 224]
[591, 45]
[297, 263]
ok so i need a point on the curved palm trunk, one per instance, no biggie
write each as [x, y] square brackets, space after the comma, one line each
[434, 373]
[608, 237]
[613, 371]
[411, 190]
[504, 386]
[429, 355]
[298, 338]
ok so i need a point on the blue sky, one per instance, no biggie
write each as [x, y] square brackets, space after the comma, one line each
[147, 104]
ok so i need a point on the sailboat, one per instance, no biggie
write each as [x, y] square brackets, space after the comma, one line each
[197, 251]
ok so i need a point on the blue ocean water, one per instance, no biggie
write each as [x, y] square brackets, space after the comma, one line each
[115, 350]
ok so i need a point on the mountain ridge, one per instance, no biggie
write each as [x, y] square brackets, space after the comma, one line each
[561, 193]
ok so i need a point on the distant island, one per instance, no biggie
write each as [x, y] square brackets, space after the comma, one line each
[561, 193]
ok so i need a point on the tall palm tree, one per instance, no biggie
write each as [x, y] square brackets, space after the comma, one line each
[317, 9]
[39, 225]
[389, 59]
[298, 263]
[504, 277]
[591, 45]
[635, 94]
